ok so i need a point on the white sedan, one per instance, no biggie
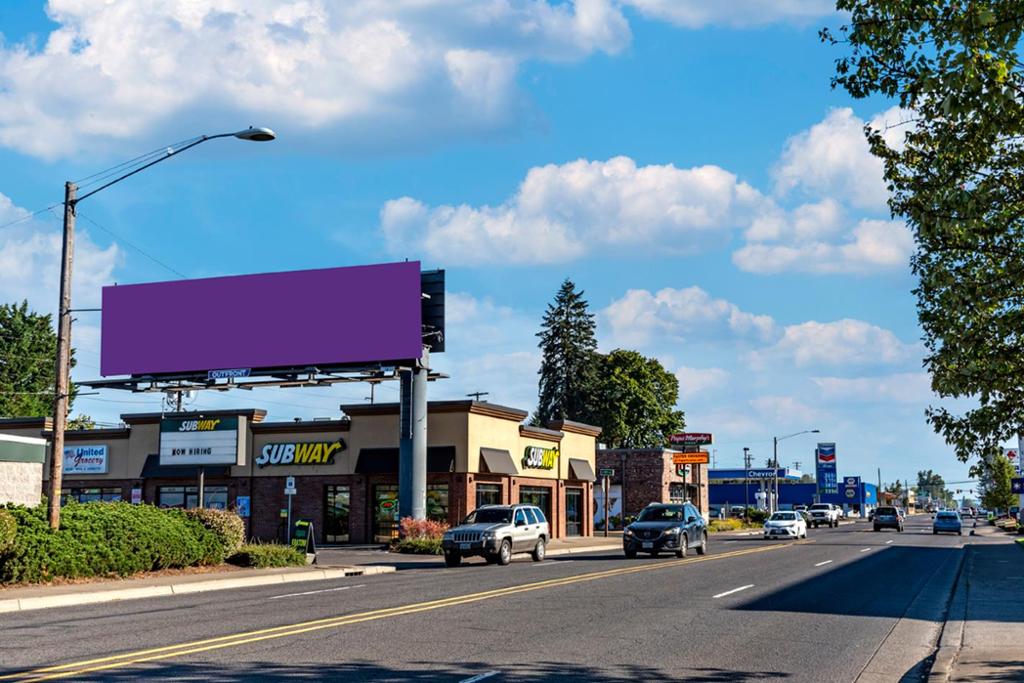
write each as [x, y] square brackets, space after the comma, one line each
[785, 524]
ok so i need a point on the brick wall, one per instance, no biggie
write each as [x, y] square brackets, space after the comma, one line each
[646, 476]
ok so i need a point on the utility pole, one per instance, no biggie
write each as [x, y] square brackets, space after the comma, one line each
[746, 482]
[775, 459]
[60, 402]
[475, 395]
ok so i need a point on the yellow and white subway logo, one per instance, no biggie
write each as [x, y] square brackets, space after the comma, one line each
[307, 453]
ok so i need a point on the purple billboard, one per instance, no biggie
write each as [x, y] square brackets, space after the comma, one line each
[331, 316]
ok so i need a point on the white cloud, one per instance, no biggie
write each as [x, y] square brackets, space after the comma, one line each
[841, 343]
[30, 262]
[739, 13]
[903, 387]
[697, 382]
[641, 315]
[561, 212]
[784, 410]
[378, 71]
[872, 246]
[832, 158]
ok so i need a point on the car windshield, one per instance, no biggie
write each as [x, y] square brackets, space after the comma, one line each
[489, 516]
[783, 517]
[661, 514]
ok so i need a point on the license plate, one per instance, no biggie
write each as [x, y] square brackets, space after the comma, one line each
[648, 545]
[464, 546]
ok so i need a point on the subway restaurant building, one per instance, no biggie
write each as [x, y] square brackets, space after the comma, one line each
[345, 470]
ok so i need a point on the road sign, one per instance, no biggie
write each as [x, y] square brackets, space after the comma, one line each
[289, 486]
[851, 493]
[698, 458]
[606, 472]
[692, 439]
[1017, 484]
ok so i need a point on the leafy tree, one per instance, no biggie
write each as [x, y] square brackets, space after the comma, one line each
[957, 179]
[28, 350]
[995, 474]
[932, 484]
[81, 421]
[895, 488]
[636, 398]
[569, 357]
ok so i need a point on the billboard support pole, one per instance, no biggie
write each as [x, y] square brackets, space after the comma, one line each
[419, 437]
[405, 421]
[202, 485]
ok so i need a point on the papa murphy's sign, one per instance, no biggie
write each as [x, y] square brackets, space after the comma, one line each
[304, 453]
[199, 441]
[540, 458]
[691, 439]
[825, 463]
[85, 460]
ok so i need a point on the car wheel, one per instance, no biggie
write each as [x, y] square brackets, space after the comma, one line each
[452, 559]
[630, 554]
[682, 546]
[815, 525]
[538, 550]
[877, 528]
[935, 532]
[703, 548]
[505, 553]
[959, 533]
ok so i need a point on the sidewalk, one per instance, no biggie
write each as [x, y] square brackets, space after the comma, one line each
[983, 639]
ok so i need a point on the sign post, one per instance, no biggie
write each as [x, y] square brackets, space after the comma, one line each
[606, 474]
[289, 490]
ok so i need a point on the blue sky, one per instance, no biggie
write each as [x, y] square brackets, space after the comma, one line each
[684, 162]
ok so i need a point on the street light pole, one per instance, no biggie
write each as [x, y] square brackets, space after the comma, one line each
[62, 380]
[775, 462]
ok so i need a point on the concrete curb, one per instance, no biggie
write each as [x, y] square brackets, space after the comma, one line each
[185, 588]
[590, 549]
[952, 630]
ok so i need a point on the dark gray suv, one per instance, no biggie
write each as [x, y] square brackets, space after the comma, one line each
[670, 527]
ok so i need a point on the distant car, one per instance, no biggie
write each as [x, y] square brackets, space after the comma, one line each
[947, 521]
[495, 532]
[800, 508]
[887, 517]
[672, 527]
[737, 510]
[824, 513]
[785, 524]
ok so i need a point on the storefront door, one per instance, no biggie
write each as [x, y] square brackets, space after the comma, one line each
[539, 496]
[336, 502]
[385, 512]
[573, 512]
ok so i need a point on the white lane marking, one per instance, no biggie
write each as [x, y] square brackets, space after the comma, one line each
[479, 677]
[888, 542]
[822, 564]
[734, 590]
[323, 590]
[864, 550]
[550, 563]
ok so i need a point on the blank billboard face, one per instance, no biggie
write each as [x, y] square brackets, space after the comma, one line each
[331, 316]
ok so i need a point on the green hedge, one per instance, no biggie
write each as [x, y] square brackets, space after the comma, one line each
[263, 555]
[7, 529]
[105, 539]
[418, 546]
[226, 526]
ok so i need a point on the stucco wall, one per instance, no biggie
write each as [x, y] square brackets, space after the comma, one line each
[21, 482]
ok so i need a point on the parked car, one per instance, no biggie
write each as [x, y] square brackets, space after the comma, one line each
[673, 527]
[785, 524]
[948, 520]
[824, 513]
[887, 517]
[496, 532]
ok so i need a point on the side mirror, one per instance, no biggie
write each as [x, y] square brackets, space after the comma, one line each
[691, 519]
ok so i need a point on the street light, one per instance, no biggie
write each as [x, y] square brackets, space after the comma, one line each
[775, 460]
[64, 307]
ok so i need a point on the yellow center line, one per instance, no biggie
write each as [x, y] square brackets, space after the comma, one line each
[234, 640]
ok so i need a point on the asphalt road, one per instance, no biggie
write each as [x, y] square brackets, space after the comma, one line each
[821, 610]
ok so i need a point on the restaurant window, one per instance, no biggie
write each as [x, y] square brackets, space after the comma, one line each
[437, 502]
[215, 497]
[385, 512]
[89, 495]
[336, 507]
[488, 494]
[677, 493]
[536, 495]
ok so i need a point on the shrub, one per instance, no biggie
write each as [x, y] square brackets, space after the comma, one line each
[262, 555]
[7, 529]
[757, 516]
[104, 539]
[732, 524]
[226, 526]
[418, 546]
[422, 528]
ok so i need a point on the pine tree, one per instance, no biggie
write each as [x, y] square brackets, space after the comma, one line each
[569, 355]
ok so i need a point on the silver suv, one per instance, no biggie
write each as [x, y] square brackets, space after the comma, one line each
[495, 532]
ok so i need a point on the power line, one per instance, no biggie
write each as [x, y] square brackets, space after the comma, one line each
[28, 216]
[100, 176]
[152, 258]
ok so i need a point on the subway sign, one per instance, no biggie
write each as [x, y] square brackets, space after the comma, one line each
[304, 453]
[539, 458]
[199, 441]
